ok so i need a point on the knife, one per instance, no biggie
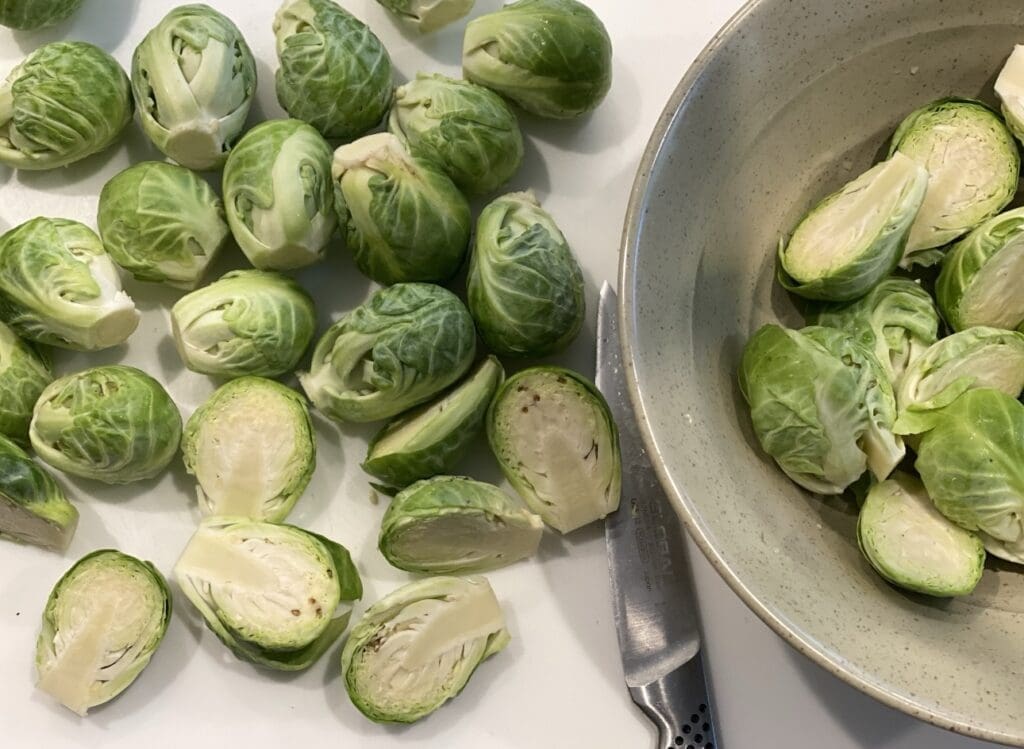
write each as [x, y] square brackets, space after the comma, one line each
[652, 596]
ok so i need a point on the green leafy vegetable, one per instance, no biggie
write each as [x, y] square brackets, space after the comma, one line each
[33, 508]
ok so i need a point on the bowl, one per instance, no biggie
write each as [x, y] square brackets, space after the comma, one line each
[788, 102]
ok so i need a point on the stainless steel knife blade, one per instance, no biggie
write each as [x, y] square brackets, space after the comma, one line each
[652, 595]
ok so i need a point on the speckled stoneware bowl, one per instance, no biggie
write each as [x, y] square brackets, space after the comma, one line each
[788, 102]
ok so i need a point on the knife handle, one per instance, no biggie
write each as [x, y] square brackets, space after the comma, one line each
[678, 705]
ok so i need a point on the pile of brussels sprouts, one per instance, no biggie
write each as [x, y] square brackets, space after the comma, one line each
[911, 278]
[277, 595]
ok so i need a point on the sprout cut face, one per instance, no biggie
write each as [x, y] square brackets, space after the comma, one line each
[557, 444]
[23, 377]
[417, 648]
[252, 449]
[427, 16]
[29, 15]
[33, 508]
[102, 623]
[194, 78]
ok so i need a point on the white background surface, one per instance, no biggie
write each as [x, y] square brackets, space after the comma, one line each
[559, 684]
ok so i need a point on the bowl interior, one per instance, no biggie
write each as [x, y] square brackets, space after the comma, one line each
[790, 101]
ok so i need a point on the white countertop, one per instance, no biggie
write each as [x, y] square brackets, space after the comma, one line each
[559, 685]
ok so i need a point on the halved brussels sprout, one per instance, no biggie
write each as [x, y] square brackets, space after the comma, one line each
[525, 288]
[24, 374]
[449, 524]
[558, 446]
[66, 101]
[248, 322]
[59, 286]
[978, 357]
[973, 165]
[335, 74]
[252, 449]
[417, 648]
[33, 508]
[912, 545]
[102, 623]
[855, 237]
[269, 592]
[971, 461]
[429, 441]
[1010, 90]
[980, 279]
[821, 406]
[401, 348]
[403, 218]
[29, 15]
[466, 129]
[551, 57]
[896, 320]
[194, 79]
[429, 15]
[161, 222]
[279, 195]
[115, 424]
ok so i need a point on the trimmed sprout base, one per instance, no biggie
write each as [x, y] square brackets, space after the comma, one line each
[427, 16]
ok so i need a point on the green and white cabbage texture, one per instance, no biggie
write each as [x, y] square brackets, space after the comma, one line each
[29, 15]
[33, 508]
[1009, 88]
[427, 16]
[24, 374]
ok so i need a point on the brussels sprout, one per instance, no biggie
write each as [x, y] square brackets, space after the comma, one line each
[102, 623]
[551, 57]
[404, 219]
[912, 545]
[249, 322]
[1010, 90]
[115, 424]
[821, 406]
[854, 238]
[467, 130]
[251, 447]
[335, 74]
[557, 444]
[449, 524]
[160, 222]
[269, 592]
[29, 15]
[897, 321]
[33, 508]
[59, 286]
[417, 648]
[279, 195]
[525, 288]
[975, 358]
[973, 165]
[429, 441]
[194, 79]
[66, 101]
[23, 377]
[429, 15]
[401, 348]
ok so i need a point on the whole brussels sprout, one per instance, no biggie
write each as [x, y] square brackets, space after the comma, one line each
[102, 623]
[973, 165]
[334, 74]
[429, 15]
[404, 219]
[33, 508]
[24, 374]
[252, 449]
[194, 79]
[467, 130]
[269, 592]
[66, 101]
[1010, 90]
[279, 195]
[58, 286]
[525, 288]
[417, 647]
[114, 424]
[248, 322]
[161, 222]
[551, 57]
[29, 15]
[855, 237]
[406, 344]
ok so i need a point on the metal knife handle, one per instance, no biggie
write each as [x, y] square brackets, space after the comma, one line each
[678, 704]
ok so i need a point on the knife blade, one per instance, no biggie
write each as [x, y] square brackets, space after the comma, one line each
[652, 596]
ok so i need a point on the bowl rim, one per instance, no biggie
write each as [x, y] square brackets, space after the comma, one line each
[630, 249]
